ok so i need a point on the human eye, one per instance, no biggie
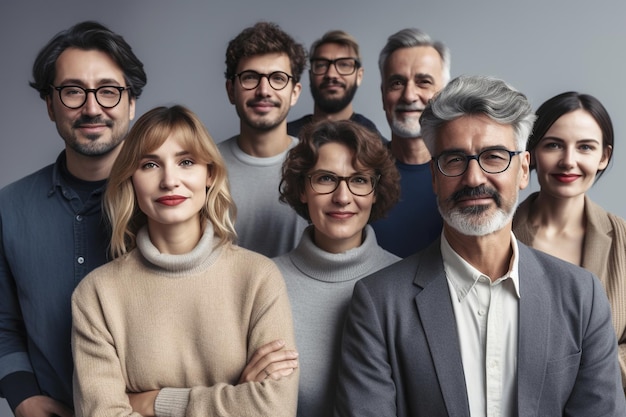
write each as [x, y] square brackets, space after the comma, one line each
[396, 84]
[148, 165]
[320, 65]
[587, 147]
[495, 155]
[360, 179]
[424, 82]
[325, 178]
[249, 76]
[187, 162]
[279, 77]
[345, 64]
[452, 159]
[551, 145]
[108, 91]
[72, 91]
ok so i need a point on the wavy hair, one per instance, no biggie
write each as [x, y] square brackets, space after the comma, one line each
[369, 154]
[148, 133]
[409, 38]
[87, 36]
[476, 95]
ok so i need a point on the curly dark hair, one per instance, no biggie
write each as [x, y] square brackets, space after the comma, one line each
[264, 38]
[88, 35]
[369, 154]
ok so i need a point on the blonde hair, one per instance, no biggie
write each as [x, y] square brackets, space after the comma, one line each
[148, 133]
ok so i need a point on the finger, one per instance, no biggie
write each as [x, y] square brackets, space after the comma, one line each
[258, 361]
[266, 349]
[280, 365]
[269, 359]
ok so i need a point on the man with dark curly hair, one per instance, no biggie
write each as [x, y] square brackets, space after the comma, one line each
[263, 69]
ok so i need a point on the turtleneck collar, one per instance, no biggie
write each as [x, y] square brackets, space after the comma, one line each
[200, 258]
[337, 267]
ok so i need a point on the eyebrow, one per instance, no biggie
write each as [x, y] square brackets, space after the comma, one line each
[325, 171]
[558, 139]
[155, 156]
[79, 82]
[486, 148]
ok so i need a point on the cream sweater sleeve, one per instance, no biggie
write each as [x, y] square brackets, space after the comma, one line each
[271, 320]
[99, 386]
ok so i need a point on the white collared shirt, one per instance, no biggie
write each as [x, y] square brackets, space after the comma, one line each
[487, 315]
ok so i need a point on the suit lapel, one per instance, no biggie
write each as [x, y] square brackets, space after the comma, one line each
[598, 240]
[533, 332]
[437, 318]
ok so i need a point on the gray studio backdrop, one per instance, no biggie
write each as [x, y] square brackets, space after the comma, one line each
[542, 47]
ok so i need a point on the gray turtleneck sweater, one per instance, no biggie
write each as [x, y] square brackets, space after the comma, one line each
[320, 286]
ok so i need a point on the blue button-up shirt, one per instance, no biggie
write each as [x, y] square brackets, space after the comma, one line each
[49, 240]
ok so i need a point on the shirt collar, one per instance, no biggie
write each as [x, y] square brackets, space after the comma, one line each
[464, 276]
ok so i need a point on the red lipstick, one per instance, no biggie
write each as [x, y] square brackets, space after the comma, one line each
[171, 200]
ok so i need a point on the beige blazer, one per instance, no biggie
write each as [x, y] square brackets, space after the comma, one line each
[604, 254]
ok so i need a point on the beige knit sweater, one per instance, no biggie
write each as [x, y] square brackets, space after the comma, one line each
[185, 324]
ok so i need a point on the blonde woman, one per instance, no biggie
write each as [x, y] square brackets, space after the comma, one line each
[168, 326]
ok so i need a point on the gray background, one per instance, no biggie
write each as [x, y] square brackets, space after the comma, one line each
[542, 47]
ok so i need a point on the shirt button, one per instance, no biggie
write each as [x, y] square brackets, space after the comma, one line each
[79, 218]
[481, 312]
[80, 260]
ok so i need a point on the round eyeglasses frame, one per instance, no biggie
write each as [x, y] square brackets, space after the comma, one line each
[477, 157]
[90, 90]
[260, 76]
[329, 62]
[374, 180]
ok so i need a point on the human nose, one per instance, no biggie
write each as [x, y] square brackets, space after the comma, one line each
[567, 159]
[331, 71]
[409, 94]
[91, 106]
[264, 87]
[169, 178]
[342, 193]
[474, 173]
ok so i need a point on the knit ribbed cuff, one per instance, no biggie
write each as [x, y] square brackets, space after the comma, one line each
[18, 386]
[172, 402]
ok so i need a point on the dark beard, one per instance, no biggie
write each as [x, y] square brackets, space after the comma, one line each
[333, 105]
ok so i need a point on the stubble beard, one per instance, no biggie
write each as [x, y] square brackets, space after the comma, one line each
[95, 145]
[263, 123]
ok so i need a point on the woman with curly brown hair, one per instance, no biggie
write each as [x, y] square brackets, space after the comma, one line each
[340, 177]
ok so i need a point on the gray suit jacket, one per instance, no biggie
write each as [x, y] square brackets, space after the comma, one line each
[400, 350]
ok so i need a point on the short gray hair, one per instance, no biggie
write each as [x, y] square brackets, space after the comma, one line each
[408, 38]
[475, 95]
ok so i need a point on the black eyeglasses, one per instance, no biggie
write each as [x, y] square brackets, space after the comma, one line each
[344, 66]
[492, 161]
[73, 96]
[250, 80]
[324, 182]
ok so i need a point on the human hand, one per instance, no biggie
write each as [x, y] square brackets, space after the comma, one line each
[270, 361]
[143, 402]
[42, 406]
